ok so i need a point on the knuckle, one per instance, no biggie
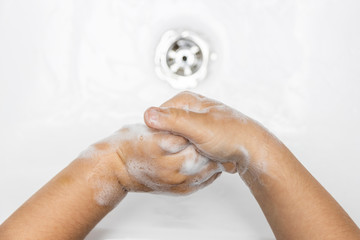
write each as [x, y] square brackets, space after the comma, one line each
[186, 92]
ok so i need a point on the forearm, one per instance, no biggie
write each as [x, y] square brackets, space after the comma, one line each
[134, 159]
[294, 203]
[65, 208]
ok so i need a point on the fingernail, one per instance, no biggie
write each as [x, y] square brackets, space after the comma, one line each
[152, 116]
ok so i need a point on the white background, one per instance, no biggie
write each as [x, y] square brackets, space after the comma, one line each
[72, 72]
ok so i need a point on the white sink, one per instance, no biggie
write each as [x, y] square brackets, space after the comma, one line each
[72, 72]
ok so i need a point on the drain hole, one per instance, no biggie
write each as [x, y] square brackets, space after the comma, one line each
[182, 58]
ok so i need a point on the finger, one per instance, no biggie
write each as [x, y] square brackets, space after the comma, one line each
[170, 143]
[203, 176]
[193, 162]
[210, 180]
[187, 165]
[185, 100]
[190, 101]
[185, 189]
[188, 189]
[186, 162]
[179, 121]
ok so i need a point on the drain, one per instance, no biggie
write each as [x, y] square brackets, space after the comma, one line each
[182, 59]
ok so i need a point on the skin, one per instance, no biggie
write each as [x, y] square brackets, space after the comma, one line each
[135, 159]
[294, 203]
[75, 200]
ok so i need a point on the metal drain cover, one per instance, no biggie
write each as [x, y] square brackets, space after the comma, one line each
[182, 59]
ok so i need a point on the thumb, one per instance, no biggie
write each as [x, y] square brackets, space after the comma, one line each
[179, 121]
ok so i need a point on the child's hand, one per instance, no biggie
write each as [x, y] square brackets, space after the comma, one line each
[218, 131]
[153, 161]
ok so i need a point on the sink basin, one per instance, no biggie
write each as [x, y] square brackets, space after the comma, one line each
[73, 72]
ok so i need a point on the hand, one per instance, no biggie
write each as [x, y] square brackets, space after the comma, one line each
[294, 203]
[154, 161]
[218, 131]
[135, 158]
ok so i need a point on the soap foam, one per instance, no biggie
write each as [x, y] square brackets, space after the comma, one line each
[254, 172]
[204, 105]
[145, 174]
[108, 194]
[171, 147]
[194, 162]
[131, 132]
[245, 161]
[140, 171]
[141, 168]
[107, 191]
[198, 180]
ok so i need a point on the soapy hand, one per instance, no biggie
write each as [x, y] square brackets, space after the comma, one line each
[218, 131]
[214, 138]
[156, 161]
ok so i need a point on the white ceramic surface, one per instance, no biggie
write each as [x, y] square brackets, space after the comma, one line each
[72, 72]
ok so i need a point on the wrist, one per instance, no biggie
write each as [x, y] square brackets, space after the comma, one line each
[270, 169]
[264, 154]
[102, 169]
